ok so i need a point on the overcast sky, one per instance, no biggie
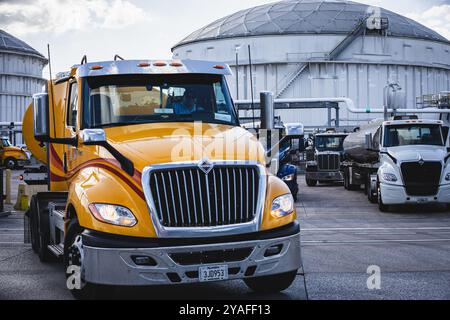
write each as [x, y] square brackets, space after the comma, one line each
[137, 29]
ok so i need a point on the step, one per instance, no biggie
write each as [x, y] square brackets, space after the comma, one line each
[56, 250]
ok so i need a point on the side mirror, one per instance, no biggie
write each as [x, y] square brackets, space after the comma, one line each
[41, 122]
[91, 137]
[369, 141]
[295, 130]
[41, 117]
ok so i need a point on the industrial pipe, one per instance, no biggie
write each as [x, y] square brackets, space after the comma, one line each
[351, 106]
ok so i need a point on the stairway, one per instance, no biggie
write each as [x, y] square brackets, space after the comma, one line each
[332, 55]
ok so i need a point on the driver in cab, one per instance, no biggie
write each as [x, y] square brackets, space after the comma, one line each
[188, 105]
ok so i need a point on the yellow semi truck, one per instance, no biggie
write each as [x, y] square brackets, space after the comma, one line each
[12, 157]
[153, 181]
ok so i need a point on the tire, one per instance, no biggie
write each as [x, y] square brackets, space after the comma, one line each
[372, 198]
[271, 284]
[10, 163]
[381, 206]
[33, 225]
[40, 231]
[43, 233]
[349, 186]
[88, 291]
[311, 182]
[345, 179]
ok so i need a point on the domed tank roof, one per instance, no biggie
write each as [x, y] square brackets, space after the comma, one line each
[11, 43]
[305, 17]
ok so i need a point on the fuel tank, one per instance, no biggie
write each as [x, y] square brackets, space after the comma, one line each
[355, 143]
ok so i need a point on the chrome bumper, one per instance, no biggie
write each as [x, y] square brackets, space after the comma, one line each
[116, 266]
[325, 176]
[393, 195]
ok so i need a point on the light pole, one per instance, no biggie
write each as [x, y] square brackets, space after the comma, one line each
[237, 71]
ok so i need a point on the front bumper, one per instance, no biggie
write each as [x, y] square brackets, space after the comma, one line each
[115, 266]
[393, 195]
[23, 163]
[325, 176]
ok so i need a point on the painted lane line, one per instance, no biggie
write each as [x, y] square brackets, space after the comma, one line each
[371, 241]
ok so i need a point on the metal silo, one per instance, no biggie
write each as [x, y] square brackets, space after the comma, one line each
[20, 77]
[314, 49]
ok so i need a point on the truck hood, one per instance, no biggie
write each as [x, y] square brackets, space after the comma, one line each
[416, 153]
[151, 144]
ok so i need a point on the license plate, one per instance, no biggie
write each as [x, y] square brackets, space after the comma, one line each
[213, 273]
[422, 200]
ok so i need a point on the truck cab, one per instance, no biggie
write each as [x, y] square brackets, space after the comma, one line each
[12, 157]
[152, 181]
[324, 156]
[413, 163]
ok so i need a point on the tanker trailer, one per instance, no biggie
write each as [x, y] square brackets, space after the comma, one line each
[360, 162]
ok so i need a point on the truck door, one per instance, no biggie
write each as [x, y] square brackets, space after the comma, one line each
[71, 156]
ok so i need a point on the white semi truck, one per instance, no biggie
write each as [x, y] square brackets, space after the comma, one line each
[402, 161]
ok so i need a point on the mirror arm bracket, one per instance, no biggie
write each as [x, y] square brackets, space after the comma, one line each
[126, 164]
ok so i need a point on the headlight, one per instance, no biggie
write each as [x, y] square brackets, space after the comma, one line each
[289, 177]
[390, 177]
[447, 177]
[111, 214]
[282, 206]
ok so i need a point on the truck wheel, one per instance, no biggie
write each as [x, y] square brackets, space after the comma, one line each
[43, 234]
[10, 163]
[345, 174]
[311, 182]
[347, 184]
[73, 263]
[33, 226]
[271, 284]
[381, 206]
[370, 196]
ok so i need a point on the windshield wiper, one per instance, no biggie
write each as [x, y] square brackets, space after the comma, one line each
[119, 124]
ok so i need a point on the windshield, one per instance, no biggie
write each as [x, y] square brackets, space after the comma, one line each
[330, 143]
[403, 135]
[124, 100]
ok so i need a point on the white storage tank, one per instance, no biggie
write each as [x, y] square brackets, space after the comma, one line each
[20, 77]
[311, 49]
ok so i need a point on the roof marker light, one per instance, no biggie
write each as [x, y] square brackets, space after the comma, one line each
[144, 65]
[176, 64]
[160, 63]
[219, 67]
[96, 68]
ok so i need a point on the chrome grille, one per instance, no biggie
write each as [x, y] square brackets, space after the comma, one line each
[187, 197]
[328, 162]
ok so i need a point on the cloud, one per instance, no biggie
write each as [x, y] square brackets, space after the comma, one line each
[436, 18]
[59, 16]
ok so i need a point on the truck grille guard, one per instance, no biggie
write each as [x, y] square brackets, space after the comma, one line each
[185, 201]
